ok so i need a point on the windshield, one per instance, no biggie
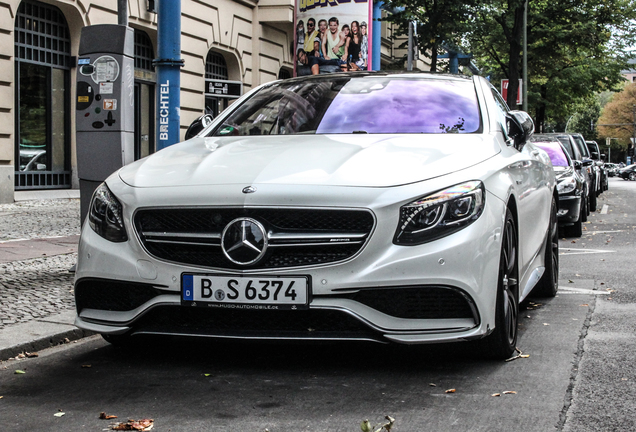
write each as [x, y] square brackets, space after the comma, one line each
[346, 105]
[556, 153]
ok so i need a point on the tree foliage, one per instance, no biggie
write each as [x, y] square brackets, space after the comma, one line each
[439, 23]
[619, 116]
[575, 48]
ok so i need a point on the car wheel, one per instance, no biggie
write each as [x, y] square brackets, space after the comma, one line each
[584, 211]
[502, 342]
[548, 285]
[593, 201]
[632, 175]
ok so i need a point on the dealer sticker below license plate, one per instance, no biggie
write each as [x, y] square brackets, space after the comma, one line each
[245, 292]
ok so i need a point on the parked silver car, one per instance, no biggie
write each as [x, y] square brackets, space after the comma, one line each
[405, 208]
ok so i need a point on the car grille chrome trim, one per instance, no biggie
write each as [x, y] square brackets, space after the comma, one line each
[298, 237]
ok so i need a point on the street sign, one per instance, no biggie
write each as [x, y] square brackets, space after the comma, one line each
[504, 90]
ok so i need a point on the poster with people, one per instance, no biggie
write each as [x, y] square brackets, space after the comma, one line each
[332, 36]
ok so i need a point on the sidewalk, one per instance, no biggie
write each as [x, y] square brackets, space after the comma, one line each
[38, 246]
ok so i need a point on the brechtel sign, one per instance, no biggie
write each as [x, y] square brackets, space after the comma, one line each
[332, 35]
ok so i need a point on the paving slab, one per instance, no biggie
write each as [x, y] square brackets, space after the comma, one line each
[20, 250]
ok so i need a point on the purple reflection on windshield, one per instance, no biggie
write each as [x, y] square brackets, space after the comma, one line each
[555, 151]
[403, 106]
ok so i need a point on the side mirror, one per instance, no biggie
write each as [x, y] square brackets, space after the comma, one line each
[198, 125]
[577, 164]
[594, 155]
[587, 162]
[520, 127]
[603, 156]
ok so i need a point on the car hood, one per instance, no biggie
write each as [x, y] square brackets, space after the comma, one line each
[332, 160]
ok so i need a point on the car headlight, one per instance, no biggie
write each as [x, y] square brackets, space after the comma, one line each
[440, 214]
[105, 215]
[566, 185]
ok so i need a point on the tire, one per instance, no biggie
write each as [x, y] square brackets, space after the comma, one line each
[502, 342]
[632, 176]
[593, 201]
[585, 212]
[548, 285]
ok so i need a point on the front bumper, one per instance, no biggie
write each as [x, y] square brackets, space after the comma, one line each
[131, 292]
[569, 209]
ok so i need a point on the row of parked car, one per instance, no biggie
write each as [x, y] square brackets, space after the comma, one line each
[581, 175]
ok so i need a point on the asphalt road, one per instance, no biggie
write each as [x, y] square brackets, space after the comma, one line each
[579, 375]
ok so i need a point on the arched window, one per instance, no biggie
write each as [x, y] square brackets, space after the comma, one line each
[42, 70]
[215, 69]
[215, 66]
[284, 73]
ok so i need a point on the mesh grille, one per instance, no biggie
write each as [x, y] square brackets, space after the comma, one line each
[279, 221]
[112, 295]
[417, 302]
[252, 323]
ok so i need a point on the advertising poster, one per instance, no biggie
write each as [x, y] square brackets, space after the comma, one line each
[332, 36]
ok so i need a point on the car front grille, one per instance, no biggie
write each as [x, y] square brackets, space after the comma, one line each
[305, 324]
[296, 237]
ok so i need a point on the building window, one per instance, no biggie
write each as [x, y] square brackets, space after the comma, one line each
[215, 66]
[284, 73]
[144, 53]
[216, 69]
[42, 70]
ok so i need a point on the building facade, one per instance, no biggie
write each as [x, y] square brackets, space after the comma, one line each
[240, 42]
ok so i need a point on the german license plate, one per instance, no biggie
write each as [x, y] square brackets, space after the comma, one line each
[245, 292]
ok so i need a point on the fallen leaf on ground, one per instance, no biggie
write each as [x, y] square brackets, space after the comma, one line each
[432, 385]
[546, 324]
[86, 366]
[450, 391]
[510, 392]
[60, 414]
[31, 355]
[584, 304]
[135, 425]
[496, 394]
[104, 416]
[18, 371]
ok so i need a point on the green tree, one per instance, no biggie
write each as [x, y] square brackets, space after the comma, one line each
[439, 23]
[575, 49]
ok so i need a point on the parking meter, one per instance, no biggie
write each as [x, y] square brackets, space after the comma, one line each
[104, 105]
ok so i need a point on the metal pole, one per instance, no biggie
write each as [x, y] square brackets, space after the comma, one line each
[376, 38]
[524, 93]
[168, 66]
[409, 62]
[122, 12]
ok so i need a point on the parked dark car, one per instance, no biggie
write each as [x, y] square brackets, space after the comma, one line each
[584, 168]
[599, 158]
[570, 185]
[628, 173]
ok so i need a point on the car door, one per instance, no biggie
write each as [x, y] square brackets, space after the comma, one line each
[531, 175]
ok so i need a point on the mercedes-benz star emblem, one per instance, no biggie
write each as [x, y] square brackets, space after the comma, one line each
[249, 189]
[244, 241]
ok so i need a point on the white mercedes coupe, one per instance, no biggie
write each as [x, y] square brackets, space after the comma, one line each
[403, 208]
